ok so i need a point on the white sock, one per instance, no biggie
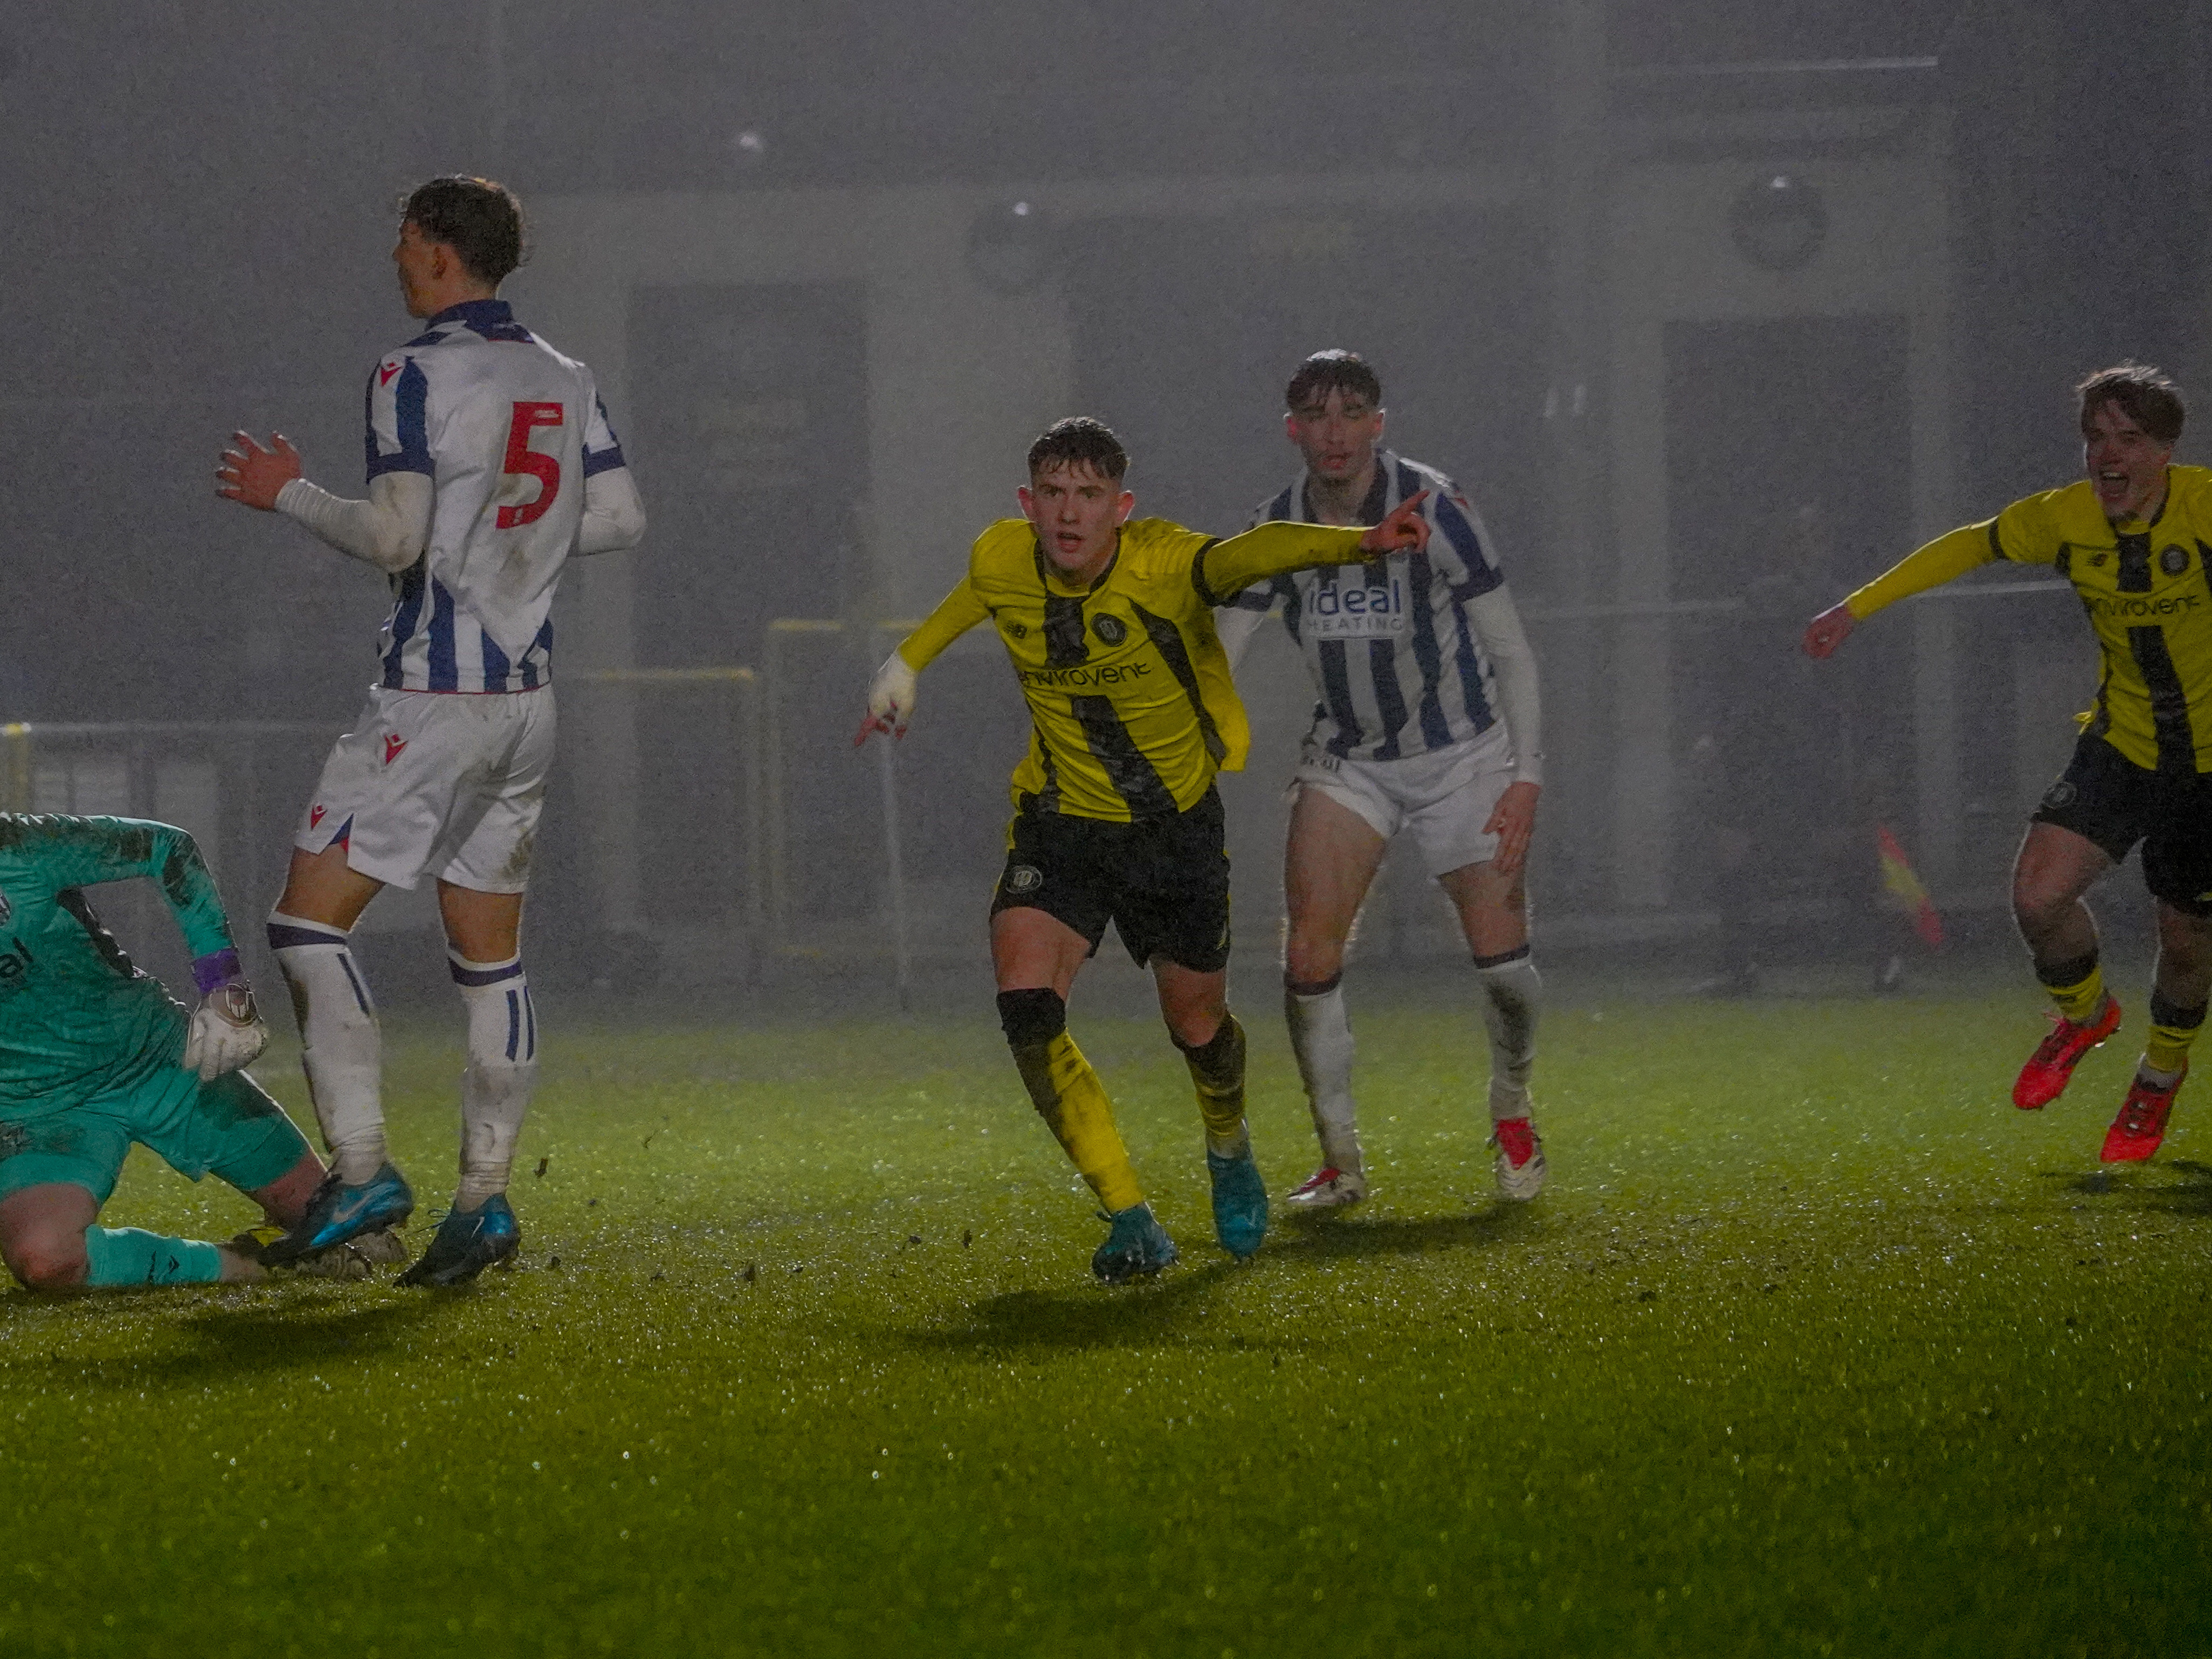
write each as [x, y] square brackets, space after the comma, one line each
[1512, 1004]
[502, 1069]
[1321, 1037]
[342, 1049]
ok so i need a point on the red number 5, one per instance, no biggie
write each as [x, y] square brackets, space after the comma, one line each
[521, 458]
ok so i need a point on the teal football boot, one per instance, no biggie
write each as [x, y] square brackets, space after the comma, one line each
[466, 1242]
[1240, 1203]
[1137, 1248]
[338, 1213]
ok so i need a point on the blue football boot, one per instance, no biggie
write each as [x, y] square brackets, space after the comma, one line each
[1240, 1203]
[1138, 1246]
[338, 1212]
[466, 1242]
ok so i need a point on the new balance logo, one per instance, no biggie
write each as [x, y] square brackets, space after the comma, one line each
[393, 746]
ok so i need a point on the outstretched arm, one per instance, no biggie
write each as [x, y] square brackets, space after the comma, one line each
[891, 695]
[227, 1031]
[1225, 569]
[389, 529]
[1947, 556]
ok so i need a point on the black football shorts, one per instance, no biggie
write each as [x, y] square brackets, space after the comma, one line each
[2104, 797]
[1164, 883]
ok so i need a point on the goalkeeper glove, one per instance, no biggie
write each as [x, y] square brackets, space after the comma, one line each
[225, 1031]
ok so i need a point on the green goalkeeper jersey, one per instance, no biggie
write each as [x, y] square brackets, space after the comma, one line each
[75, 1015]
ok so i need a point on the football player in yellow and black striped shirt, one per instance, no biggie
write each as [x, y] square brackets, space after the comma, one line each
[1109, 625]
[2134, 537]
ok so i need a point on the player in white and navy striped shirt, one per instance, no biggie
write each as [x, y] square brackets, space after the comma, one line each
[1428, 722]
[490, 463]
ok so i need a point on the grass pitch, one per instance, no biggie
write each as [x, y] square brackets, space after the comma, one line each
[1814, 1345]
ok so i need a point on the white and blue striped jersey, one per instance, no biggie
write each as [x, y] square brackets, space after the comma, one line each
[1397, 662]
[507, 429]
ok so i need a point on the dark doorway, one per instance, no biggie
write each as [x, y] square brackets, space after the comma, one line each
[752, 406]
[1186, 330]
[1789, 482]
[751, 401]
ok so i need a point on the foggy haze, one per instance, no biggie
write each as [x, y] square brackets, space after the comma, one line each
[787, 240]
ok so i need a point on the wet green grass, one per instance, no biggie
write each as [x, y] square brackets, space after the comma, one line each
[1814, 1347]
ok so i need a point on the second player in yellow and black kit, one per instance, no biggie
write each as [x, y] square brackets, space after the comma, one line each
[1108, 626]
[2143, 584]
[2133, 537]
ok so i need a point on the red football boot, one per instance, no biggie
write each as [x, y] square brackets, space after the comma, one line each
[2044, 1078]
[2135, 1133]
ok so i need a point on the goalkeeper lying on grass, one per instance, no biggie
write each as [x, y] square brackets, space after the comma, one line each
[93, 1055]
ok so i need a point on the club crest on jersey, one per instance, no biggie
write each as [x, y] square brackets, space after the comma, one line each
[1024, 879]
[2172, 561]
[1376, 611]
[393, 743]
[1112, 629]
[2060, 795]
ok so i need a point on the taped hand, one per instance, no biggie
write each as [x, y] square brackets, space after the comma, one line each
[891, 700]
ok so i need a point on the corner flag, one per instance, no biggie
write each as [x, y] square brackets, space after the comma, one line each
[1904, 886]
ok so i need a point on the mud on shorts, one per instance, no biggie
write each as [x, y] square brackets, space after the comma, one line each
[439, 783]
[229, 1128]
[1443, 798]
[2105, 797]
[1164, 883]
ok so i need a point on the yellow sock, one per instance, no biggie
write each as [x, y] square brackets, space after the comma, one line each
[1073, 1102]
[2079, 994]
[2172, 1028]
[1217, 1073]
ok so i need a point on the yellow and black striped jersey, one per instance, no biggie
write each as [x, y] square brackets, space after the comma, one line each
[1131, 707]
[2145, 588]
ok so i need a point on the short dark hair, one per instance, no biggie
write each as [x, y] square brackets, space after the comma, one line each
[1079, 441]
[1332, 371]
[2145, 396]
[478, 218]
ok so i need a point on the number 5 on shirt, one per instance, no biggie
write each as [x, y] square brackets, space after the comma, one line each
[521, 458]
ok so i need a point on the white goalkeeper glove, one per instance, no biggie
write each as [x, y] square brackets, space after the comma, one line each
[891, 698]
[225, 1031]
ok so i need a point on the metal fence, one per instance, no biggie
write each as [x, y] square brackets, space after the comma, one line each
[722, 814]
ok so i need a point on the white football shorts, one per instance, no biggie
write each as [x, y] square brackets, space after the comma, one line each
[1443, 798]
[437, 783]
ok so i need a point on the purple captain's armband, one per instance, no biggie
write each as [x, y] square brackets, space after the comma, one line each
[216, 968]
